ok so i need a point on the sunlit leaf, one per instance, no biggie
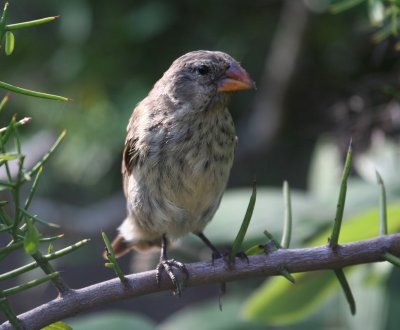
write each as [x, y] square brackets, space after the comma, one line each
[58, 326]
[10, 42]
[8, 156]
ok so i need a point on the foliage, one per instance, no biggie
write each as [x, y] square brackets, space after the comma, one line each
[16, 219]
[383, 14]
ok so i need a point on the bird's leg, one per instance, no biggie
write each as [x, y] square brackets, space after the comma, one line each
[215, 252]
[167, 265]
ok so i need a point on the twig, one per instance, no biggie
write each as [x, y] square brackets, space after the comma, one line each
[295, 260]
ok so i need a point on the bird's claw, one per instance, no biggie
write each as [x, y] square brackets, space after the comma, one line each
[225, 256]
[242, 256]
[168, 265]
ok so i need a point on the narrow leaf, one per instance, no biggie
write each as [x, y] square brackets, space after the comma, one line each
[29, 92]
[341, 200]
[36, 22]
[35, 218]
[237, 244]
[9, 44]
[392, 259]
[382, 206]
[30, 284]
[8, 156]
[5, 228]
[33, 188]
[18, 271]
[4, 251]
[111, 258]
[287, 225]
[285, 273]
[66, 250]
[346, 289]
[39, 164]
[272, 239]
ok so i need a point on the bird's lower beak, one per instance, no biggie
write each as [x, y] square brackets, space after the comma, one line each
[235, 79]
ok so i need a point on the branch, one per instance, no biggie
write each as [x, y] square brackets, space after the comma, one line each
[294, 260]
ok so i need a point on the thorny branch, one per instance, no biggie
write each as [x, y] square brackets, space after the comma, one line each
[294, 260]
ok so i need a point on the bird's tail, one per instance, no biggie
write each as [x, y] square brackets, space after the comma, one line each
[120, 247]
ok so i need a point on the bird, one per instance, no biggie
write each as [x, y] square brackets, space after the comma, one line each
[178, 154]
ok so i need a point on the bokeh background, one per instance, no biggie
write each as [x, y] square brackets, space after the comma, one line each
[321, 81]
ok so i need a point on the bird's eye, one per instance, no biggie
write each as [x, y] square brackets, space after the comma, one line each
[203, 69]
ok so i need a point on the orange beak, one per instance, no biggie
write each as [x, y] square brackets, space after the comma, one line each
[235, 79]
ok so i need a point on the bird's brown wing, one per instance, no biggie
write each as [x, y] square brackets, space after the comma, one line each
[130, 155]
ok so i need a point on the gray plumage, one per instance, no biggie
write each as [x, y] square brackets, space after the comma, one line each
[179, 151]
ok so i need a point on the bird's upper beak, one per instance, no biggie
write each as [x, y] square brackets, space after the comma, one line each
[235, 79]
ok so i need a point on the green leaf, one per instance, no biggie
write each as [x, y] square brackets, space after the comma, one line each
[279, 302]
[237, 244]
[29, 92]
[341, 200]
[382, 205]
[111, 258]
[287, 219]
[8, 156]
[35, 22]
[10, 42]
[30, 284]
[58, 326]
[31, 239]
[346, 289]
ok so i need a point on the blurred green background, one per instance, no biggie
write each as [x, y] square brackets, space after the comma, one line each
[320, 81]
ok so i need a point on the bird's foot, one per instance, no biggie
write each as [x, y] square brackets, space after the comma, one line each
[226, 256]
[168, 265]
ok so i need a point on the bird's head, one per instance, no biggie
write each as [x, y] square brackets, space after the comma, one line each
[204, 80]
